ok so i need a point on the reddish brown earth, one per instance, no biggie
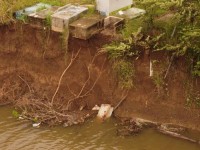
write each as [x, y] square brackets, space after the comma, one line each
[23, 54]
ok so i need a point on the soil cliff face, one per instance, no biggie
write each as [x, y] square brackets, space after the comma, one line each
[34, 57]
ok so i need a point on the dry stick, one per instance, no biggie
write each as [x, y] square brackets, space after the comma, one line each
[95, 80]
[70, 90]
[81, 96]
[173, 33]
[69, 65]
[172, 59]
[89, 75]
[25, 83]
[84, 85]
[176, 135]
[121, 101]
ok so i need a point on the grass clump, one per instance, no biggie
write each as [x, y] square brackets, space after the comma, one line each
[125, 73]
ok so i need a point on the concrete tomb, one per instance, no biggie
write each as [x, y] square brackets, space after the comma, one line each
[65, 15]
[85, 28]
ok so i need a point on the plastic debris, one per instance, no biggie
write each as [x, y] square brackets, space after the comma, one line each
[20, 118]
[105, 111]
[36, 125]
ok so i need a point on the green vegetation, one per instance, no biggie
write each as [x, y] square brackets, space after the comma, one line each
[193, 98]
[47, 21]
[178, 22]
[158, 77]
[170, 26]
[125, 73]
[15, 114]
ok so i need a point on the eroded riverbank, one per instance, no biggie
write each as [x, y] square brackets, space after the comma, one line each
[25, 53]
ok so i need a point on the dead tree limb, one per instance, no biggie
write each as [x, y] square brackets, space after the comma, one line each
[25, 83]
[81, 94]
[61, 77]
[171, 61]
[121, 101]
[177, 135]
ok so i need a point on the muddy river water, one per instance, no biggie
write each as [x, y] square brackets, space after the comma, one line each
[20, 135]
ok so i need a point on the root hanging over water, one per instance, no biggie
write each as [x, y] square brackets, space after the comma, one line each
[35, 103]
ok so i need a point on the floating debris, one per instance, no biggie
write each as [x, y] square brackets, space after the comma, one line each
[105, 111]
[36, 125]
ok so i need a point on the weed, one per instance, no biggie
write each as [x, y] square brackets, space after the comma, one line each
[48, 21]
[15, 114]
[23, 18]
[193, 99]
[132, 26]
[116, 50]
[125, 73]
[159, 82]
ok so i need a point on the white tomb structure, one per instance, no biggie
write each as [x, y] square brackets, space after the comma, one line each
[105, 7]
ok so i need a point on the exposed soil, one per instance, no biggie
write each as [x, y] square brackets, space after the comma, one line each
[29, 62]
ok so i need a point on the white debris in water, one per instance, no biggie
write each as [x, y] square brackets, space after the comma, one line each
[105, 111]
[20, 118]
[36, 125]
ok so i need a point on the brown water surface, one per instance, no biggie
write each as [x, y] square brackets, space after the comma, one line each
[20, 135]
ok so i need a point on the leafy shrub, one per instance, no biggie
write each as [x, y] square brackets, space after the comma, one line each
[116, 50]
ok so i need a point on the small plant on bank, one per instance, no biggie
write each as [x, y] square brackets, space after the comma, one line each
[117, 50]
[125, 73]
[23, 18]
[48, 21]
[15, 114]
[193, 99]
[158, 78]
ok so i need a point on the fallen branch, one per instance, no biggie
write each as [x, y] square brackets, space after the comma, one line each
[176, 135]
